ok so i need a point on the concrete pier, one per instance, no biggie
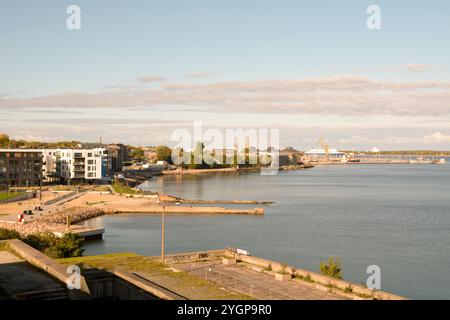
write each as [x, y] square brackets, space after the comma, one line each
[190, 210]
[88, 233]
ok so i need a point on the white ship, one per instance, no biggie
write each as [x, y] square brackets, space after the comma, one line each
[440, 161]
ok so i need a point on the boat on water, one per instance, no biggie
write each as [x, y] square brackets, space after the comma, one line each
[440, 161]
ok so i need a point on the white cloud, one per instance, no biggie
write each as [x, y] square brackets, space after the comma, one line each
[337, 95]
[436, 137]
[198, 75]
[416, 67]
[150, 79]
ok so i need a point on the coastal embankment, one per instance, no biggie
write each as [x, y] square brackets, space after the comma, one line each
[172, 199]
[200, 171]
[234, 170]
[188, 210]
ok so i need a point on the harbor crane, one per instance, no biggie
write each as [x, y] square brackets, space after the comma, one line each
[323, 143]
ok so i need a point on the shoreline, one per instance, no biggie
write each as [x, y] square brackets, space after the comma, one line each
[233, 170]
[62, 211]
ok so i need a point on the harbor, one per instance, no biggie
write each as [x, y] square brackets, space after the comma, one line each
[351, 212]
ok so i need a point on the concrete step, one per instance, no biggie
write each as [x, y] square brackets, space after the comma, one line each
[49, 294]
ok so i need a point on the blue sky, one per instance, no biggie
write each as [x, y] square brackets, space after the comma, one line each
[178, 59]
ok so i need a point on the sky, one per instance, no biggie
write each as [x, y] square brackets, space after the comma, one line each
[138, 70]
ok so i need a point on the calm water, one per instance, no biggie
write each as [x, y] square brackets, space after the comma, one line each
[394, 216]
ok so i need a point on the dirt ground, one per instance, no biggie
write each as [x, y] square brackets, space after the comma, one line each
[104, 201]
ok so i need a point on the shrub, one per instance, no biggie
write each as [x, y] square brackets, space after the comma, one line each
[332, 268]
[40, 241]
[348, 289]
[308, 278]
[6, 234]
[66, 247]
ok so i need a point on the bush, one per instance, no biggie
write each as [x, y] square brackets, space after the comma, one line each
[66, 247]
[332, 268]
[6, 234]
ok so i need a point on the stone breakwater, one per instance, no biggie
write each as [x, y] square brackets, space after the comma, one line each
[30, 227]
[76, 215]
[53, 222]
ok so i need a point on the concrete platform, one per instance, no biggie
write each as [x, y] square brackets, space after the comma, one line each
[258, 285]
[22, 281]
[84, 231]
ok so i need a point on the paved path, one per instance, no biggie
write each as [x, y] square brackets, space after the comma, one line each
[259, 285]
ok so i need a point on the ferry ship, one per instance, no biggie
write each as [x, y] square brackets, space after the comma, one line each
[440, 161]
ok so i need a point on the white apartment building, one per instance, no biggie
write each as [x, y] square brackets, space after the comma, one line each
[76, 165]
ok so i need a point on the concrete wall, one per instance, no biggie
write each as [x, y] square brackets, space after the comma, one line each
[105, 285]
[192, 256]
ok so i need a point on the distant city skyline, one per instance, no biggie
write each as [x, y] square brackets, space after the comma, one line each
[138, 70]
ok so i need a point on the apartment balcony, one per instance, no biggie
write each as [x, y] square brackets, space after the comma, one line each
[78, 169]
[78, 163]
[78, 176]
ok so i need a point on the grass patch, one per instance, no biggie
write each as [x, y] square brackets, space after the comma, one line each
[3, 246]
[306, 278]
[122, 189]
[9, 195]
[64, 188]
[100, 189]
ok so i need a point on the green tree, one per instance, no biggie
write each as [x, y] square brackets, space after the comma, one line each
[164, 153]
[332, 268]
[137, 154]
[4, 140]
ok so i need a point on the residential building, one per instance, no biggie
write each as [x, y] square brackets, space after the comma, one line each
[20, 168]
[119, 155]
[76, 165]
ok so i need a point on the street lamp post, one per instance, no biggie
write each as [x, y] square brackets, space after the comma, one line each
[163, 233]
[29, 196]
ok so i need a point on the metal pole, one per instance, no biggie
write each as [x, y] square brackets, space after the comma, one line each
[163, 233]
[29, 196]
